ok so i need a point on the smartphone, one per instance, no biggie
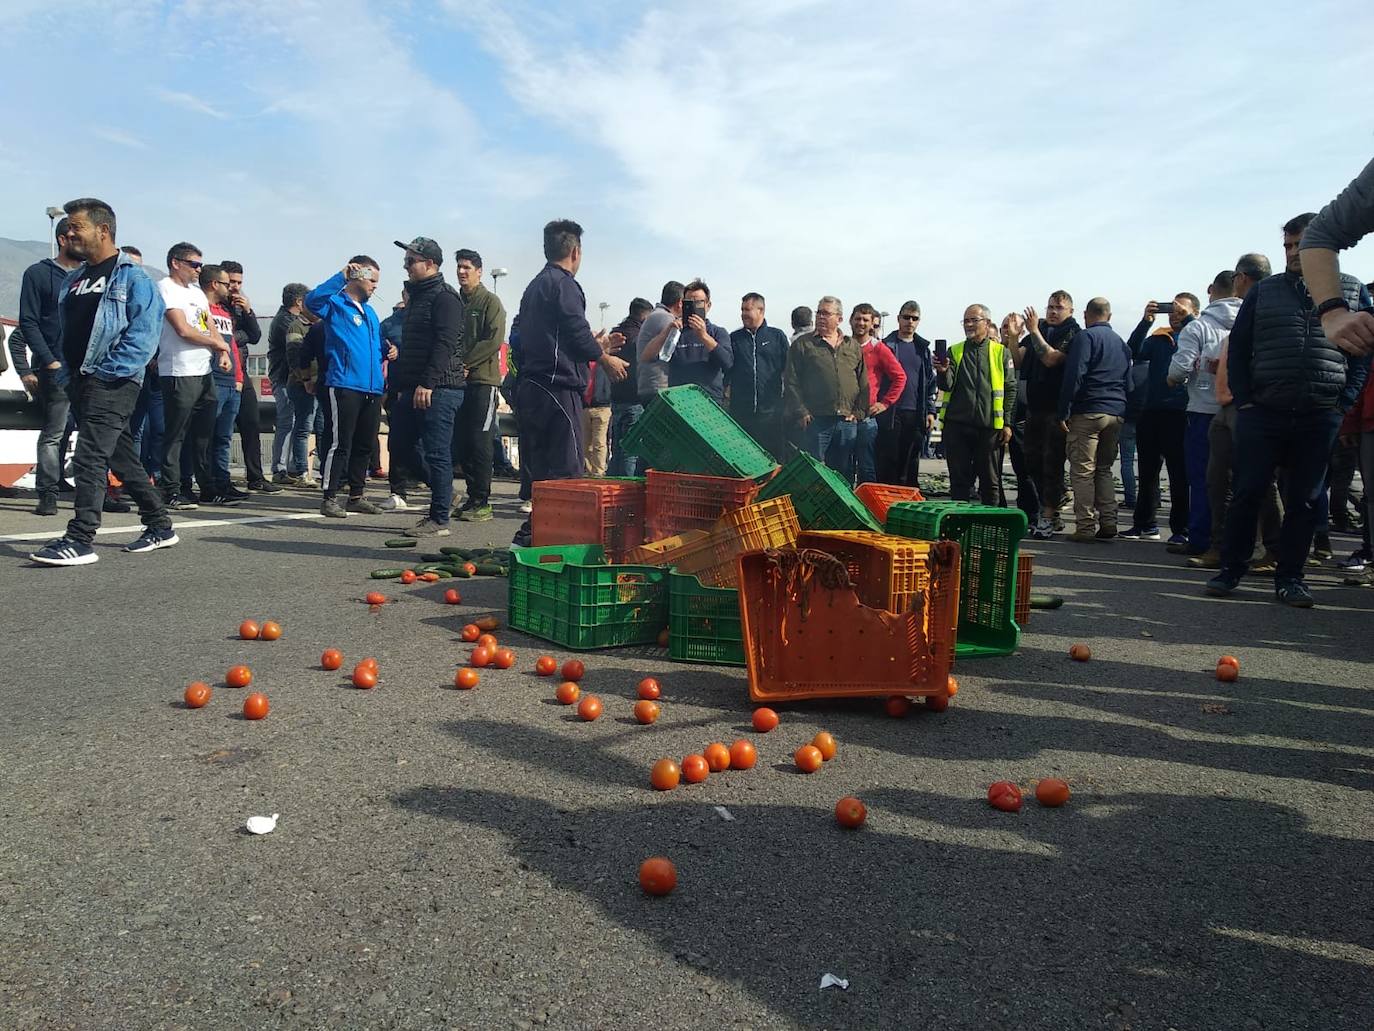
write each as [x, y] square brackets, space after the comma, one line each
[941, 349]
[690, 308]
[1165, 307]
[360, 273]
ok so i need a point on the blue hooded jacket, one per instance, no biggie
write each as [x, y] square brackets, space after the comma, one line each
[353, 345]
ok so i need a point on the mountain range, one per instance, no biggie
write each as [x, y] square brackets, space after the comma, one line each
[15, 257]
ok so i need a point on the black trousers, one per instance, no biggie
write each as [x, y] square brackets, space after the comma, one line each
[550, 435]
[189, 405]
[1044, 449]
[249, 423]
[405, 468]
[351, 420]
[472, 440]
[974, 453]
[767, 430]
[1159, 436]
[901, 439]
[104, 442]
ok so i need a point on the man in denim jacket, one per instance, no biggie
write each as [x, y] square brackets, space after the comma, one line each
[111, 321]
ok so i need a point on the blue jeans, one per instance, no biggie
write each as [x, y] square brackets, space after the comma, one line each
[432, 429]
[830, 439]
[147, 424]
[1296, 443]
[304, 409]
[623, 416]
[865, 445]
[285, 419]
[1128, 462]
[1196, 449]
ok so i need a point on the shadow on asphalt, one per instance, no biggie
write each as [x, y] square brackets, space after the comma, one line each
[1040, 918]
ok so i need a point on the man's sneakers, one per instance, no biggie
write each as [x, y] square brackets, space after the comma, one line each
[1266, 565]
[331, 509]
[1136, 533]
[426, 528]
[114, 504]
[263, 487]
[65, 552]
[1294, 593]
[527, 507]
[363, 505]
[47, 506]
[1321, 547]
[181, 503]
[1107, 533]
[1178, 544]
[1210, 559]
[395, 503]
[476, 514]
[225, 495]
[285, 479]
[1358, 561]
[152, 540]
[1043, 530]
[1222, 584]
[1084, 537]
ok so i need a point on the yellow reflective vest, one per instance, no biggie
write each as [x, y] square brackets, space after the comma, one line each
[997, 367]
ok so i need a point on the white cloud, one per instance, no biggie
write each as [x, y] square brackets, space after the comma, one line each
[188, 102]
[117, 136]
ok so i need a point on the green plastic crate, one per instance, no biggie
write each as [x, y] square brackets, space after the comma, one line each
[821, 497]
[684, 431]
[570, 596]
[989, 544]
[703, 622]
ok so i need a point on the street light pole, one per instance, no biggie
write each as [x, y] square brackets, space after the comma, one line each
[603, 306]
[496, 275]
[53, 215]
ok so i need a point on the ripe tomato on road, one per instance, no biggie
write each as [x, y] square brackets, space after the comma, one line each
[1229, 660]
[743, 755]
[808, 758]
[825, 744]
[452, 597]
[465, 679]
[574, 669]
[480, 657]
[657, 876]
[271, 631]
[1006, 796]
[1052, 792]
[375, 598]
[646, 711]
[470, 569]
[255, 706]
[248, 630]
[489, 642]
[850, 812]
[695, 769]
[952, 686]
[546, 665]
[197, 695]
[649, 688]
[589, 708]
[1080, 652]
[364, 676]
[567, 692]
[370, 663]
[765, 720]
[470, 633]
[717, 756]
[503, 659]
[238, 676]
[665, 775]
[408, 577]
[663, 638]
[331, 659]
[1227, 673]
[898, 706]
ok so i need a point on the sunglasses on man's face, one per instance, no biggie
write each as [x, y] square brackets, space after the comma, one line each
[197, 265]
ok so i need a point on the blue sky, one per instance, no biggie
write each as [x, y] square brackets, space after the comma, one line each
[986, 152]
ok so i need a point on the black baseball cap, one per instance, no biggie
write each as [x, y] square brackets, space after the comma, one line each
[424, 247]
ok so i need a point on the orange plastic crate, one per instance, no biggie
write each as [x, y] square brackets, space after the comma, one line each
[675, 502]
[876, 497]
[804, 639]
[890, 573]
[1024, 570]
[711, 556]
[591, 511]
[690, 552]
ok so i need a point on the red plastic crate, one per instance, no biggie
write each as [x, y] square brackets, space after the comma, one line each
[685, 501]
[876, 497]
[605, 512]
[1025, 569]
[807, 635]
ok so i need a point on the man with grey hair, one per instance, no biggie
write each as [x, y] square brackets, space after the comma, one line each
[825, 388]
[976, 407]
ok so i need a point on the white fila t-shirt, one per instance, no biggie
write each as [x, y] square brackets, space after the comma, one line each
[175, 357]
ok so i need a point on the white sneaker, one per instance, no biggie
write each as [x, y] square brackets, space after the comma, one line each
[527, 507]
[395, 503]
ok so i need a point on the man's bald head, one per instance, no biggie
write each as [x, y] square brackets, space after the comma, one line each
[1099, 309]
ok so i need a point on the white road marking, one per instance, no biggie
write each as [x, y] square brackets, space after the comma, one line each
[186, 524]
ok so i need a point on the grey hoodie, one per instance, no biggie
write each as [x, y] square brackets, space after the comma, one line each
[1199, 345]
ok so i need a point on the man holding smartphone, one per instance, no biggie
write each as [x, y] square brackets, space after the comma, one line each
[703, 354]
[976, 408]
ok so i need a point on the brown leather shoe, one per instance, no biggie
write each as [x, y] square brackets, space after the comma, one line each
[1210, 559]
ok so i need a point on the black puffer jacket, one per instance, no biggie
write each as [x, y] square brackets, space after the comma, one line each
[432, 345]
[1293, 367]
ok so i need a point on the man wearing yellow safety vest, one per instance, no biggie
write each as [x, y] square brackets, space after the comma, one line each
[976, 407]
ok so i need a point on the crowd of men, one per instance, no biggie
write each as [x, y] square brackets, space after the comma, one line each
[1254, 405]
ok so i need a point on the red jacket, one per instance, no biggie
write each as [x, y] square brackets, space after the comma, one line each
[1360, 418]
[883, 367]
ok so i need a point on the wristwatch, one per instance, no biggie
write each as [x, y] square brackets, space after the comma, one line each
[1331, 304]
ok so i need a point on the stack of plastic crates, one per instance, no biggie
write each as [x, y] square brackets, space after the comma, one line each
[570, 596]
[687, 501]
[989, 542]
[807, 634]
[608, 512]
[878, 497]
[711, 556]
[1025, 569]
[898, 574]
[821, 497]
[683, 430]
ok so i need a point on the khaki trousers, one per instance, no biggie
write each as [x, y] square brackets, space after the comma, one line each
[1092, 445]
[596, 431]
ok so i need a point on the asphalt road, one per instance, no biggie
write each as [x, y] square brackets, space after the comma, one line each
[451, 859]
